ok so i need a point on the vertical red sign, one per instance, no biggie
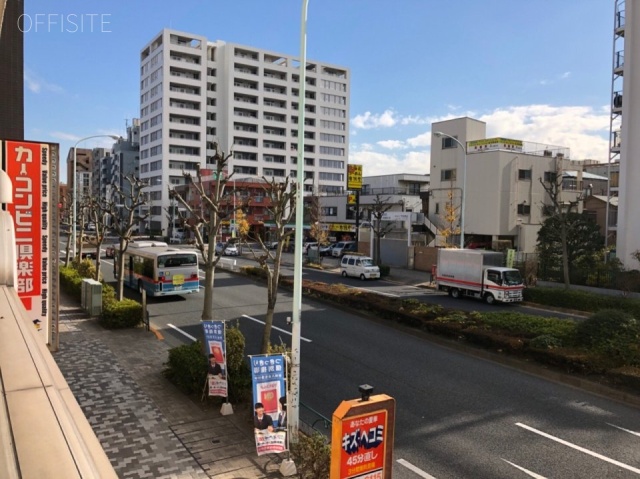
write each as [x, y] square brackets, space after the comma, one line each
[363, 445]
[27, 165]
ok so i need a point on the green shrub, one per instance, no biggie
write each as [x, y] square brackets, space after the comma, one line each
[187, 367]
[545, 341]
[581, 300]
[453, 317]
[612, 333]
[87, 269]
[529, 326]
[71, 282]
[312, 456]
[108, 294]
[121, 314]
[239, 372]
[385, 270]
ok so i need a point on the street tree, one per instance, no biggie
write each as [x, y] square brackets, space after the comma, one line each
[83, 211]
[98, 212]
[450, 219]
[205, 214]
[281, 210]
[379, 207]
[559, 208]
[124, 210]
[318, 229]
[583, 240]
[66, 213]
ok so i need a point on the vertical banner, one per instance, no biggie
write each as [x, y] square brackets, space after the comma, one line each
[31, 167]
[216, 351]
[354, 177]
[268, 379]
[362, 438]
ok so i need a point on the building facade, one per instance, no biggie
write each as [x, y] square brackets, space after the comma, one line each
[503, 193]
[12, 70]
[195, 93]
[625, 129]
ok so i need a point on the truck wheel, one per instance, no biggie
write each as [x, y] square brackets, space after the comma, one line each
[344, 274]
[362, 277]
[489, 299]
[455, 293]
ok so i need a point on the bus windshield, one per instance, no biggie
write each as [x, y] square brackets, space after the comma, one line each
[176, 260]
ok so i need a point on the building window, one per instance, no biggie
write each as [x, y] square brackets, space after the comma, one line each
[524, 174]
[547, 210]
[448, 175]
[448, 142]
[329, 211]
[550, 176]
[524, 209]
[437, 209]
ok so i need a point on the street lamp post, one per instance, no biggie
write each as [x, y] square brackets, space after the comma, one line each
[75, 184]
[463, 195]
[293, 399]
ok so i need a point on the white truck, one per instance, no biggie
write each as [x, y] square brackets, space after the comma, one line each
[477, 273]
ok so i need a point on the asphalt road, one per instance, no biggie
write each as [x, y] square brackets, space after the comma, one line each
[457, 416]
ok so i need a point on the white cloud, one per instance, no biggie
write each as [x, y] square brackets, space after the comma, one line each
[375, 163]
[391, 144]
[37, 85]
[582, 129]
[370, 120]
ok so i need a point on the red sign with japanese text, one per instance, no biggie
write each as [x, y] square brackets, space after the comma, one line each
[32, 168]
[363, 445]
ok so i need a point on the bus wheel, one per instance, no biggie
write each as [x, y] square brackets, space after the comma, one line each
[140, 286]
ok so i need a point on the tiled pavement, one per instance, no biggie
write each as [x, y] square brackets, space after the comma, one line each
[147, 427]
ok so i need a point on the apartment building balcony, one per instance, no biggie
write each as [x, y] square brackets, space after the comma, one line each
[184, 120]
[184, 74]
[616, 102]
[275, 89]
[245, 127]
[268, 116]
[270, 130]
[246, 54]
[245, 69]
[618, 62]
[242, 98]
[185, 58]
[616, 141]
[183, 104]
[620, 23]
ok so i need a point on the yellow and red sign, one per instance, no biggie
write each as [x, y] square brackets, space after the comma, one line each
[354, 177]
[362, 439]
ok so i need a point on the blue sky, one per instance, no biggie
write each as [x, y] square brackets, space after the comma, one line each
[536, 70]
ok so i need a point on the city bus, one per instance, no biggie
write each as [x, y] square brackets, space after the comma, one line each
[159, 269]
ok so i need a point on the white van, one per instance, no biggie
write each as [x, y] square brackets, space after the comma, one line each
[360, 266]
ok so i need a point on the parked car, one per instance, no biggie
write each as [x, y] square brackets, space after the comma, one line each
[325, 250]
[271, 244]
[307, 245]
[343, 247]
[110, 251]
[228, 250]
[359, 266]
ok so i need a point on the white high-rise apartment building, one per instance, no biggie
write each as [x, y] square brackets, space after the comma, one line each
[194, 92]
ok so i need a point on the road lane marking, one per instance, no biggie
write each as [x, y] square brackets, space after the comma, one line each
[377, 292]
[182, 332]
[625, 430]
[526, 471]
[415, 469]
[581, 449]
[274, 327]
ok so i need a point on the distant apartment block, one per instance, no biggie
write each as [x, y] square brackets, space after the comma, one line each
[195, 92]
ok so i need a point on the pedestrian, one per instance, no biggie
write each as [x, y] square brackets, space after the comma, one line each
[262, 421]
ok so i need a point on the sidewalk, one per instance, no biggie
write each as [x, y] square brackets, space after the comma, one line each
[147, 427]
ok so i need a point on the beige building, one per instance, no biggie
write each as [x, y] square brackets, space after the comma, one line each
[504, 196]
